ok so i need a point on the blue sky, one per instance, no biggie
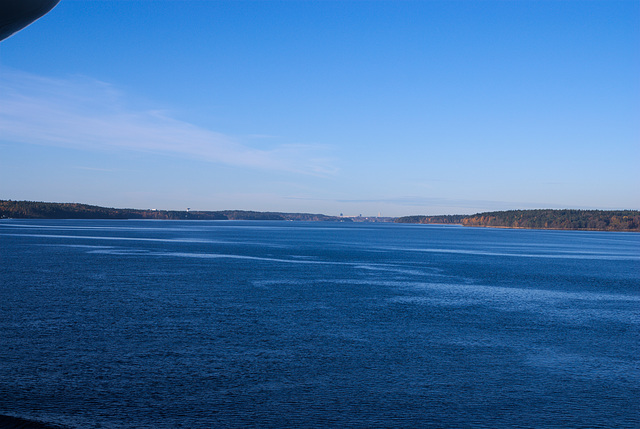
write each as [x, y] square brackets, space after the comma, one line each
[354, 107]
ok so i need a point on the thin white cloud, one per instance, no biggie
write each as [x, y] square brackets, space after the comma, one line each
[439, 205]
[105, 170]
[88, 114]
[438, 202]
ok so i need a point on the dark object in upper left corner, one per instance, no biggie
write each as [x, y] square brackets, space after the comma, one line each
[17, 14]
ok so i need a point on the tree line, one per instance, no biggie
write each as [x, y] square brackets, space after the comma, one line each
[43, 210]
[593, 220]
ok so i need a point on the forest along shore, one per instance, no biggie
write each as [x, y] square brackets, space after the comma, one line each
[585, 220]
[42, 210]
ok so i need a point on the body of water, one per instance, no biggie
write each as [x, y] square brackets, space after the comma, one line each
[168, 324]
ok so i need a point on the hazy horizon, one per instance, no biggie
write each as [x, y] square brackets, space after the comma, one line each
[357, 107]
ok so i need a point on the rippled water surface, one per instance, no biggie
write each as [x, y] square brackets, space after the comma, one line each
[153, 324]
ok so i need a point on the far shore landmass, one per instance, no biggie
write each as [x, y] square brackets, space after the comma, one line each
[567, 219]
[581, 220]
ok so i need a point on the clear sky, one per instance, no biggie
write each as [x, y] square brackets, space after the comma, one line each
[354, 107]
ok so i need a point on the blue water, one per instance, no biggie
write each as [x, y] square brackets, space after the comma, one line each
[154, 324]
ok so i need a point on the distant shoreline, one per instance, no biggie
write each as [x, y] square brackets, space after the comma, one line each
[549, 229]
[45, 210]
[545, 219]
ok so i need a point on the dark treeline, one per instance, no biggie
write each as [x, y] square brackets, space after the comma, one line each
[40, 210]
[595, 220]
[445, 219]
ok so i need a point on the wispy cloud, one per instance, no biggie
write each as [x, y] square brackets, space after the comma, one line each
[104, 170]
[435, 202]
[88, 114]
[439, 203]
